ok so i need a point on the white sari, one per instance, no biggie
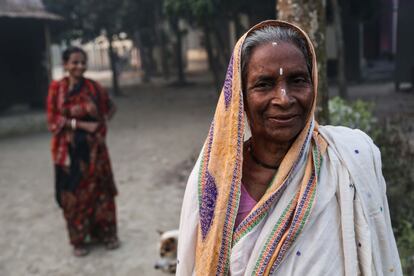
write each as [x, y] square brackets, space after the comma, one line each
[349, 230]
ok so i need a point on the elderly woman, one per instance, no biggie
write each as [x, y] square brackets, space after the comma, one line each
[77, 111]
[274, 193]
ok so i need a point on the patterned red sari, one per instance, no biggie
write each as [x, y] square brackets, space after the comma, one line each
[85, 187]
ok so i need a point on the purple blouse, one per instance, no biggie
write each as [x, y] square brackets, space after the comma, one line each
[245, 206]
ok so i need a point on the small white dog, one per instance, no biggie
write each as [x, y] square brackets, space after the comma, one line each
[168, 251]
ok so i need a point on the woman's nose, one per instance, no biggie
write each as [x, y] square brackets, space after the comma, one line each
[281, 96]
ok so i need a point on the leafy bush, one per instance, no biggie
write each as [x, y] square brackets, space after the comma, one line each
[397, 158]
[354, 115]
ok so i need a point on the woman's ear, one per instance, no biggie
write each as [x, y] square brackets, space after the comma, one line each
[243, 94]
[247, 130]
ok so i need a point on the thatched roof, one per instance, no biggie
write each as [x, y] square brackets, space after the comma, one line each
[25, 9]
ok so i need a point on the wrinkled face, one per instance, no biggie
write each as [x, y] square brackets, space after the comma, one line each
[279, 92]
[76, 65]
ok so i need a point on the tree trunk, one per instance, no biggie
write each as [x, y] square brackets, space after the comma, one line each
[218, 51]
[310, 16]
[340, 49]
[113, 59]
[164, 54]
[178, 51]
[239, 28]
[161, 38]
[144, 57]
[212, 62]
[221, 49]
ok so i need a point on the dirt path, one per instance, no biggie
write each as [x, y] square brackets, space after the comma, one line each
[156, 131]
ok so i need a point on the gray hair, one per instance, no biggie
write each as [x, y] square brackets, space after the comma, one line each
[271, 34]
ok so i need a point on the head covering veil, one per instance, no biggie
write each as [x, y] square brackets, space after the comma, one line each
[220, 173]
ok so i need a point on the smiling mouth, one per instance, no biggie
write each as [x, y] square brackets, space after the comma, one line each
[285, 119]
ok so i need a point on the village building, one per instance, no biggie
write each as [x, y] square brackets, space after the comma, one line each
[24, 52]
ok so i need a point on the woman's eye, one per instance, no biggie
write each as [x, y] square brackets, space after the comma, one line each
[263, 85]
[299, 80]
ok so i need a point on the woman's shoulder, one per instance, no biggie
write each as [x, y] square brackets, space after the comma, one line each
[55, 84]
[92, 81]
[345, 136]
[94, 84]
[356, 151]
[351, 145]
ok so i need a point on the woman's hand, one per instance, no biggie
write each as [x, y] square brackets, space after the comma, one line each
[75, 111]
[92, 110]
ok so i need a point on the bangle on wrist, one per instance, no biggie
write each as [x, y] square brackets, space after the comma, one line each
[73, 124]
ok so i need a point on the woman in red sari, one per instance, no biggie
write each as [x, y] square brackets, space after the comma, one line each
[77, 111]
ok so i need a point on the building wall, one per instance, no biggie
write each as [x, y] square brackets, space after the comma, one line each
[24, 63]
[404, 71]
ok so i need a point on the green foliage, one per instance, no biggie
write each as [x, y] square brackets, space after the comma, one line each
[406, 246]
[140, 15]
[354, 115]
[71, 27]
[204, 11]
[87, 19]
[397, 160]
[194, 11]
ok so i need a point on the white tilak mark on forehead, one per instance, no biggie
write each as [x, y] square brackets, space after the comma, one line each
[274, 43]
[280, 71]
